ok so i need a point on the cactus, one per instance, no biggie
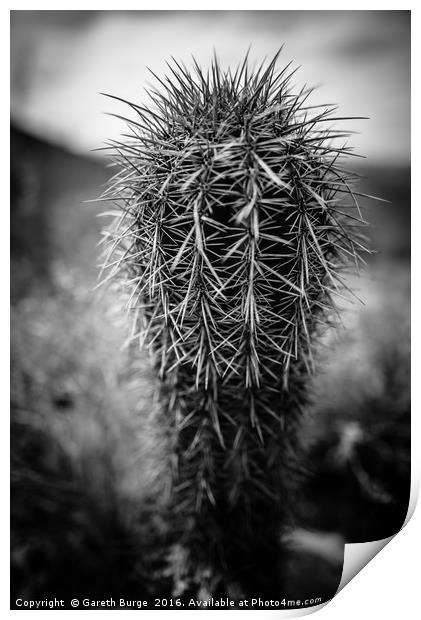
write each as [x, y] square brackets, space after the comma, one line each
[232, 235]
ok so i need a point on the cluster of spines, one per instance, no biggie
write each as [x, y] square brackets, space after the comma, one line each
[232, 236]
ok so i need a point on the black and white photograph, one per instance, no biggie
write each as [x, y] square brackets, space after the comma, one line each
[210, 227]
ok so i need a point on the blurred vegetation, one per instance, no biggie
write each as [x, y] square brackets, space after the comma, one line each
[358, 435]
[81, 508]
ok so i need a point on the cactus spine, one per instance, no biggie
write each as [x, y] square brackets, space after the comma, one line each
[231, 236]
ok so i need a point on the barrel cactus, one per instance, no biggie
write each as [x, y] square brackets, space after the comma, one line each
[232, 235]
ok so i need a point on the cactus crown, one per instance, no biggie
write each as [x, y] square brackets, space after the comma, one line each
[232, 234]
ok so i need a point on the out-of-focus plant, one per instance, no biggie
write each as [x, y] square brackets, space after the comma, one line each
[231, 235]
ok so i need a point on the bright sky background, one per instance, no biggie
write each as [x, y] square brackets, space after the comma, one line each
[61, 60]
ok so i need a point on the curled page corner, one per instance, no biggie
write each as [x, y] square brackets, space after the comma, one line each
[358, 555]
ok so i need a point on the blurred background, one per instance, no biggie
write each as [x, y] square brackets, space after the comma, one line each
[81, 465]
